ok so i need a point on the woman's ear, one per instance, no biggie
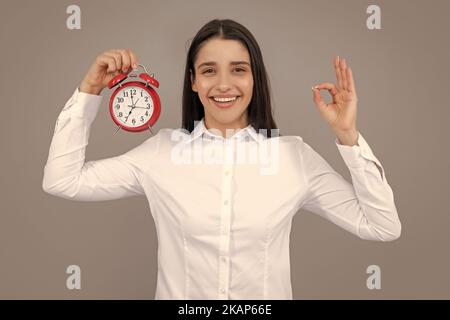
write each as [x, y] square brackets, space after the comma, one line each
[193, 85]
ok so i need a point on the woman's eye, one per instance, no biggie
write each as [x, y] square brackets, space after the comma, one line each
[211, 70]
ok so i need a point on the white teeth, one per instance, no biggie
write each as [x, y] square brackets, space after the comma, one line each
[224, 99]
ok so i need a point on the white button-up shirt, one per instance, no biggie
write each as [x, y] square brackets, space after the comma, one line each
[223, 207]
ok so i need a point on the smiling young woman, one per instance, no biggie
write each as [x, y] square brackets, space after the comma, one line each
[223, 227]
[225, 61]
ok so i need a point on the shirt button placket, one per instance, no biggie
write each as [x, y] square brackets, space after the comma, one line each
[224, 265]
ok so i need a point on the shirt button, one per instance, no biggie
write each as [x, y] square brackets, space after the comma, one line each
[227, 173]
[223, 259]
[222, 290]
[225, 202]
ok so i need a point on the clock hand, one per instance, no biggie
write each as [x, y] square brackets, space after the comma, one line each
[138, 107]
[128, 115]
[132, 104]
[132, 107]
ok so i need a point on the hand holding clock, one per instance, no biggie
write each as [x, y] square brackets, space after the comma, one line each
[106, 66]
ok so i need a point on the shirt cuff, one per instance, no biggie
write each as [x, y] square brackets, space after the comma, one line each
[356, 156]
[87, 107]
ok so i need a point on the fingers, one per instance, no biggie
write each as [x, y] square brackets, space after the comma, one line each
[337, 68]
[107, 61]
[129, 59]
[318, 98]
[328, 86]
[344, 75]
[343, 66]
[351, 81]
[116, 63]
[124, 59]
[134, 59]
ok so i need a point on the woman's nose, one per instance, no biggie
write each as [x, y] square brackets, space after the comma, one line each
[224, 81]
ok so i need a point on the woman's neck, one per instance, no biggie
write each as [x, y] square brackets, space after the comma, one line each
[234, 126]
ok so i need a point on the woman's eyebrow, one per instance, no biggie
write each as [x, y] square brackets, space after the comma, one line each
[233, 63]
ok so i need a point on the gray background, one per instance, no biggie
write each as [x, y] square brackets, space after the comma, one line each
[401, 74]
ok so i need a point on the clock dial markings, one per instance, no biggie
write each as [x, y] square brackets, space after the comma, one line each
[140, 109]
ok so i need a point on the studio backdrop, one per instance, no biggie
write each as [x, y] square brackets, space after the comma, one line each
[398, 50]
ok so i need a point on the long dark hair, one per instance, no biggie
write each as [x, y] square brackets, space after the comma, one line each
[259, 110]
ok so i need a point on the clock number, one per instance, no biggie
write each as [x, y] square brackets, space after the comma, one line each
[134, 121]
[125, 94]
[142, 118]
[132, 92]
[146, 113]
[120, 114]
[119, 100]
[117, 106]
[146, 99]
[149, 105]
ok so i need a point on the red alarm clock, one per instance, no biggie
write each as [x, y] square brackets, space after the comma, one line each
[134, 106]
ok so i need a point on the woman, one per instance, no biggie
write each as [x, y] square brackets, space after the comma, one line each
[223, 227]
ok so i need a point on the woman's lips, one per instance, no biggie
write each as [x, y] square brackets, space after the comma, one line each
[224, 105]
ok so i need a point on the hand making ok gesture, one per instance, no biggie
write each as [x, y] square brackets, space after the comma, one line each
[340, 114]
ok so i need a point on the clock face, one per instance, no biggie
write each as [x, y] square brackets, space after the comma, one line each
[133, 106]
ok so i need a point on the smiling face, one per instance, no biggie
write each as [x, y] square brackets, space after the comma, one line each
[223, 73]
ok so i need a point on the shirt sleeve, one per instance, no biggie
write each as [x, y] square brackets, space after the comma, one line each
[66, 174]
[365, 208]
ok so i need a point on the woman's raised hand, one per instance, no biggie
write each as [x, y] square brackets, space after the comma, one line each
[340, 114]
[106, 66]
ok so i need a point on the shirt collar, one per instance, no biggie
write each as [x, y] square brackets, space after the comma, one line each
[200, 130]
